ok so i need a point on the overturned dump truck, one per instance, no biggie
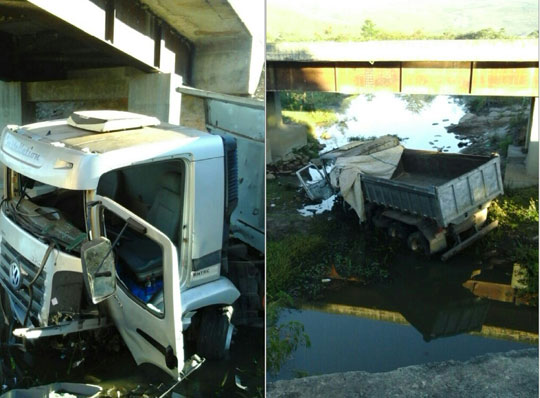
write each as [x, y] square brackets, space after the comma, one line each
[437, 202]
[113, 218]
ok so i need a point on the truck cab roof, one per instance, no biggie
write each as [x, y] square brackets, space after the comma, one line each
[73, 153]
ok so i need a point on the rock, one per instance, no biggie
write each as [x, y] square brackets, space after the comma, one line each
[467, 118]
[494, 115]
[445, 120]
[503, 120]
[499, 132]
[270, 176]
[434, 124]
[462, 144]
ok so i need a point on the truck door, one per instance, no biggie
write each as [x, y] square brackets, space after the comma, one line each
[153, 333]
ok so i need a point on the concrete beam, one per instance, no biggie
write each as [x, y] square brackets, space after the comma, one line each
[228, 37]
[124, 26]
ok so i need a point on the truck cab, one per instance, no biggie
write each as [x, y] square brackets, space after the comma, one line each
[113, 217]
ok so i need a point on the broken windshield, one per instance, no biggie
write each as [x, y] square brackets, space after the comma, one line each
[49, 213]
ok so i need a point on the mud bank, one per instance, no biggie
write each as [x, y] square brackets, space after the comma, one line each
[510, 374]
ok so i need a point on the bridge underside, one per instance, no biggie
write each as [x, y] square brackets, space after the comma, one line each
[412, 77]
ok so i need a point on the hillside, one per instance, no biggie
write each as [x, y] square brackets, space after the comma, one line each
[309, 20]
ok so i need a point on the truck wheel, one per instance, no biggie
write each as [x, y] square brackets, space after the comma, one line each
[396, 230]
[215, 333]
[418, 243]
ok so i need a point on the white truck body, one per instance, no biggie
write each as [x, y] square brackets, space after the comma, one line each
[66, 156]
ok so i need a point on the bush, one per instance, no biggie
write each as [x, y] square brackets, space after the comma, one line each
[281, 339]
[517, 235]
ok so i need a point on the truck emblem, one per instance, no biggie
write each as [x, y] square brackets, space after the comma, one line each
[15, 276]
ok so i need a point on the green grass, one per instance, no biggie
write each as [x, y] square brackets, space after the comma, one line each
[516, 238]
[314, 100]
[296, 263]
[312, 118]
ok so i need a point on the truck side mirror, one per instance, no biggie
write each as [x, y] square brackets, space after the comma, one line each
[99, 272]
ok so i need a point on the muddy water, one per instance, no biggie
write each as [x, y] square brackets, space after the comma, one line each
[423, 314]
[419, 120]
[240, 374]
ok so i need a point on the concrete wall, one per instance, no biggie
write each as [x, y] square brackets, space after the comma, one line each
[106, 88]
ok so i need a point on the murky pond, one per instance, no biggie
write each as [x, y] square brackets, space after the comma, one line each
[421, 120]
[425, 313]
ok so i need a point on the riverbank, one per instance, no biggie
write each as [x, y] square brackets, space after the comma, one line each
[491, 125]
[510, 374]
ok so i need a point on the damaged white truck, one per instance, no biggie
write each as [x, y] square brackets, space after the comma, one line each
[111, 217]
[437, 202]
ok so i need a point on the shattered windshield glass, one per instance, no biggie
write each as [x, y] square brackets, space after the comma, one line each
[49, 213]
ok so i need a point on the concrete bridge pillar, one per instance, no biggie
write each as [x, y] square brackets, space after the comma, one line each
[281, 138]
[531, 161]
[10, 103]
[155, 94]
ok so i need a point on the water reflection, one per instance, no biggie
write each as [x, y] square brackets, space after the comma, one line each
[424, 315]
[420, 119]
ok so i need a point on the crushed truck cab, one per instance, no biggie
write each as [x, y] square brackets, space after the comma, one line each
[112, 217]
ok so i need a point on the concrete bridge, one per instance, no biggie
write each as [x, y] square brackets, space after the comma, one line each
[125, 54]
[178, 60]
[449, 67]
[435, 67]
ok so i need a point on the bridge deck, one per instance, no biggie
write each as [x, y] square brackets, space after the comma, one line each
[475, 67]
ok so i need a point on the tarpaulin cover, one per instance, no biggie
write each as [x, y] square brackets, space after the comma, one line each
[347, 171]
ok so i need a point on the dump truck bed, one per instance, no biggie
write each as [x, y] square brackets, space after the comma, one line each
[441, 186]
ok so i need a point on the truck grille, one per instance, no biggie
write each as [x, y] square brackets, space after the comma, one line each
[8, 255]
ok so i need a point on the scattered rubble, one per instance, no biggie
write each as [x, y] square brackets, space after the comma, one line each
[294, 160]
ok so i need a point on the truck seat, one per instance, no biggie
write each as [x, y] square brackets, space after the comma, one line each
[144, 256]
[109, 184]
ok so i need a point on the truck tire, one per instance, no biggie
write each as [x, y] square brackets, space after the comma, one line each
[396, 230]
[418, 243]
[215, 332]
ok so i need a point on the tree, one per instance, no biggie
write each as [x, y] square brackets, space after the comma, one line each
[368, 29]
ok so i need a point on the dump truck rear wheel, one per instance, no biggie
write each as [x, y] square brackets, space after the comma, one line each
[214, 333]
[397, 230]
[418, 243]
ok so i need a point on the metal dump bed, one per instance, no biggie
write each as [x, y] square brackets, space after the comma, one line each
[441, 186]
